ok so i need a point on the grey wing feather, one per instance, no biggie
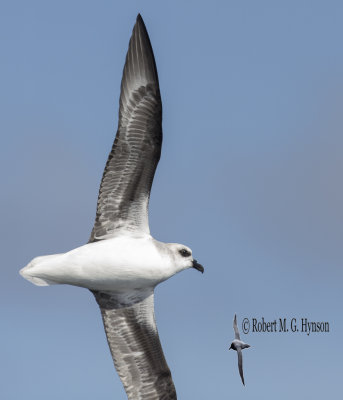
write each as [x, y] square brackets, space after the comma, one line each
[126, 183]
[235, 328]
[240, 364]
[135, 346]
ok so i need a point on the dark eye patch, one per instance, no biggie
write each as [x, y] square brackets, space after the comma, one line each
[184, 253]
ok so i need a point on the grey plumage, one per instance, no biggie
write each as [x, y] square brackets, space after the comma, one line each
[123, 205]
[238, 345]
[235, 328]
[240, 364]
[122, 263]
[125, 187]
[135, 346]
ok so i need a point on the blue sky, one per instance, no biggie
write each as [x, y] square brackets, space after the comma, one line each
[250, 178]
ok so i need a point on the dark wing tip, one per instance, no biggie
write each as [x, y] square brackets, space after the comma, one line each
[140, 25]
[139, 19]
[140, 67]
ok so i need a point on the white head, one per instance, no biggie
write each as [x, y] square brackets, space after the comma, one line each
[182, 257]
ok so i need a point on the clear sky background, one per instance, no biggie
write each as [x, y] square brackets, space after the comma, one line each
[250, 178]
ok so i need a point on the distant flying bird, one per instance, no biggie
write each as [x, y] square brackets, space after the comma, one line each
[122, 263]
[238, 345]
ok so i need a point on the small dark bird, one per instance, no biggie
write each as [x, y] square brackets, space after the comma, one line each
[238, 345]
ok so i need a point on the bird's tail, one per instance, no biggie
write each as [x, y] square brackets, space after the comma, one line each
[37, 270]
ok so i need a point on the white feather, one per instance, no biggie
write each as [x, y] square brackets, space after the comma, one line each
[117, 264]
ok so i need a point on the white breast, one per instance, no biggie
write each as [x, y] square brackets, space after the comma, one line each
[120, 264]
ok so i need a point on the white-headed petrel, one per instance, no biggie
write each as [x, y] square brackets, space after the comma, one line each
[122, 263]
[238, 345]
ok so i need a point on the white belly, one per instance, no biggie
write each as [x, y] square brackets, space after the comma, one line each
[117, 264]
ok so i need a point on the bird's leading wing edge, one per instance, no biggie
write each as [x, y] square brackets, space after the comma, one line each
[235, 328]
[240, 364]
[126, 182]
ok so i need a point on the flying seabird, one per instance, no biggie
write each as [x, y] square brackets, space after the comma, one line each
[238, 345]
[122, 263]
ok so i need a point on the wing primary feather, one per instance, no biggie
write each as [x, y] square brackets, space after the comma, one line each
[235, 328]
[240, 364]
[126, 182]
[135, 346]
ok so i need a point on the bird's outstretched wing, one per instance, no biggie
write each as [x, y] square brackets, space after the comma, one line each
[235, 328]
[240, 364]
[135, 346]
[125, 187]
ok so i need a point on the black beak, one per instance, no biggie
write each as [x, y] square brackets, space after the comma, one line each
[198, 266]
